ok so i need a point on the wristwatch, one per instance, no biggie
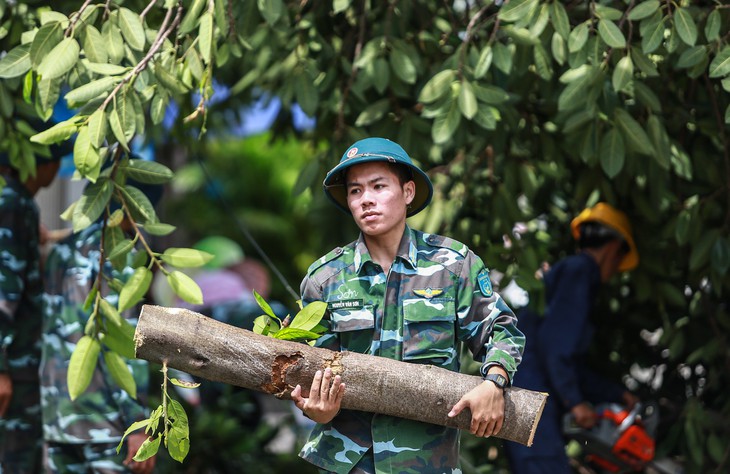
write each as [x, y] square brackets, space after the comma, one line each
[498, 379]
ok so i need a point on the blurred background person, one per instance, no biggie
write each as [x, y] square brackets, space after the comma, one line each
[558, 341]
[21, 289]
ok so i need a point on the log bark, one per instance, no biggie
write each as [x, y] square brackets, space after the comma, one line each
[207, 348]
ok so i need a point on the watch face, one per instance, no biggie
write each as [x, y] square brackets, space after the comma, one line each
[498, 379]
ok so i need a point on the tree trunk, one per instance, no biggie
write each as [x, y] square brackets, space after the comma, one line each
[216, 351]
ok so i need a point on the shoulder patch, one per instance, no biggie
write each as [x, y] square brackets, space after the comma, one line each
[333, 254]
[485, 284]
[446, 242]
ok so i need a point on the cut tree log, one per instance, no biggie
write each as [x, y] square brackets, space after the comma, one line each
[207, 348]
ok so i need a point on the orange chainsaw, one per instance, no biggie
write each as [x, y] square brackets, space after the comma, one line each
[621, 441]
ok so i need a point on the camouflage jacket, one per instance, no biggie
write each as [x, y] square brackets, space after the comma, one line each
[21, 286]
[104, 411]
[436, 294]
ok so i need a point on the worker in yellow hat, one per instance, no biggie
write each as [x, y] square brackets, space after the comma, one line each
[558, 341]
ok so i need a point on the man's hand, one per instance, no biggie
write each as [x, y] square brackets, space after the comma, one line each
[6, 392]
[584, 415]
[325, 397]
[486, 403]
[134, 441]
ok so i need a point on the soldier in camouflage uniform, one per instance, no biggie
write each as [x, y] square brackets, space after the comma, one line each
[402, 294]
[82, 435]
[21, 289]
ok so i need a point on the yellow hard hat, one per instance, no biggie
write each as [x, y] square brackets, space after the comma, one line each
[615, 219]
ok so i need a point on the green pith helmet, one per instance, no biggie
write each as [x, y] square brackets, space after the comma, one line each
[376, 149]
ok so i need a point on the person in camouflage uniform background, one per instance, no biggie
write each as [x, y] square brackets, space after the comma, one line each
[82, 435]
[21, 289]
[402, 294]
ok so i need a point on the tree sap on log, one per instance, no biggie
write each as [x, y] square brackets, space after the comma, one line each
[207, 348]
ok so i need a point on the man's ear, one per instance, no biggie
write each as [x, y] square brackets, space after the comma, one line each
[409, 190]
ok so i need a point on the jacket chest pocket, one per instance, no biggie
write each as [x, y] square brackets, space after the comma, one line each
[354, 328]
[428, 332]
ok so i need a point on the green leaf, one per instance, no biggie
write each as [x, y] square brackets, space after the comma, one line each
[293, 334]
[653, 37]
[611, 34]
[82, 365]
[94, 46]
[135, 288]
[403, 66]
[186, 258]
[91, 204]
[542, 63]
[487, 117]
[720, 66]
[58, 133]
[720, 255]
[191, 16]
[148, 449]
[177, 413]
[310, 316]
[121, 249]
[502, 57]
[381, 74]
[86, 156]
[106, 69]
[489, 94]
[263, 304]
[110, 312]
[158, 228]
[559, 18]
[483, 64]
[90, 90]
[114, 42]
[643, 10]
[516, 10]
[612, 153]
[60, 60]
[339, 6]
[271, 10]
[623, 74]
[120, 339]
[16, 62]
[685, 25]
[713, 25]
[644, 64]
[132, 29]
[205, 37]
[682, 228]
[148, 172]
[437, 87]
[467, 101]
[647, 97]
[47, 37]
[178, 438]
[120, 373]
[185, 287]
[691, 57]
[158, 109]
[133, 427]
[660, 140]
[559, 48]
[446, 124]
[97, 128]
[184, 383]
[169, 80]
[139, 205]
[373, 112]
[306, 94]
[633, 132]
[578, 37]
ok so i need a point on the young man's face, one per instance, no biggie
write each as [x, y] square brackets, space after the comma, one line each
[376, 198]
